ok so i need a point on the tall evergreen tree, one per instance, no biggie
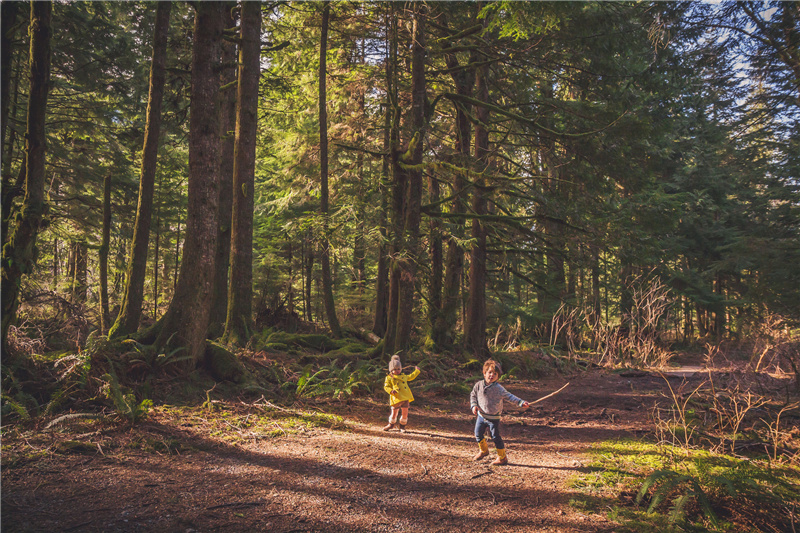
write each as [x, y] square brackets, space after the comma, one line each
[19, 253]
[127, 321]
[239, 325]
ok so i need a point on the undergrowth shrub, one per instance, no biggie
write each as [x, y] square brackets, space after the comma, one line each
[651, 487]
[337, 381]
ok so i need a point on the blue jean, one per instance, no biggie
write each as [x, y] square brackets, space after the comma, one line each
[494, 430]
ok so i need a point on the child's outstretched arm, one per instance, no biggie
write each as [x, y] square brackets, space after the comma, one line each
[515, 399]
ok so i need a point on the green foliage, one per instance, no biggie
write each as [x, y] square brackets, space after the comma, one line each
[281, 340]
[337, 382]
[147, 358]
[125, 403]
[701, 491]
[685, 488]
[13, 406]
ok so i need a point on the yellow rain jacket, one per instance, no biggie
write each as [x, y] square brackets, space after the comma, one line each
[400, 384]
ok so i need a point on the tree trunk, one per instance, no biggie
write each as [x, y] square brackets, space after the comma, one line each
[413, 190]
[185, 323]
[79, 284]
[19, 253]
[436, 275]
[10, 190]
[397, 187]
[9, 20]
[464, 80]
[239, 324]
[128, 320]
[105, 316]
[381, 282]
[475, 324]
[219, 307]
[308, 275]
[327, 283]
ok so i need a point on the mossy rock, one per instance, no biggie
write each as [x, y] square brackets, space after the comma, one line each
[75, 447]
[223, 365]
[318, 342]
[276, 347]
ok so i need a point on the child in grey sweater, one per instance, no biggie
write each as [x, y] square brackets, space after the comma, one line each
[486, 401]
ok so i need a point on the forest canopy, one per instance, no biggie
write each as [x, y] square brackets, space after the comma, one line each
[449, 175]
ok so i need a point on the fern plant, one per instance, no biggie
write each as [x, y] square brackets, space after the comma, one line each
[684, 487]
[125, 403]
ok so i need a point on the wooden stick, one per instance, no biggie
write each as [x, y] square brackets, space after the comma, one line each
[548, 396]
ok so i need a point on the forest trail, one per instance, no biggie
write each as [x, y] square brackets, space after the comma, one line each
[171, 473]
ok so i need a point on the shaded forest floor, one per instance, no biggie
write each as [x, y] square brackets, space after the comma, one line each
[327, 466]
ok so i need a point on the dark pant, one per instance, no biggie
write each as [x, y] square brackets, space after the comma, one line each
[494, 430]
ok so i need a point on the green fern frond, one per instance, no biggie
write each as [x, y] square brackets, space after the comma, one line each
[73, 416]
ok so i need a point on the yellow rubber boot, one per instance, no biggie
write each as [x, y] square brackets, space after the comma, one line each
[501, 457]
[484, 450]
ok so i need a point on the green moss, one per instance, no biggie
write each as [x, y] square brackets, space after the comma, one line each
[76, 447]
[224, 365]
[651, 487]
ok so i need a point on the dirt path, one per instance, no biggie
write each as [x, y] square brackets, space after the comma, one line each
[171, 474]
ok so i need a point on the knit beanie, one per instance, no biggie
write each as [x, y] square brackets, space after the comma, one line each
[394, 362]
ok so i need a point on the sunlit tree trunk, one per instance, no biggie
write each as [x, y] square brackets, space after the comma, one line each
[239, 324]
[382, 279]
[19, 253]
[219, 309]
[397, 187]
[327, 280]
[475, 324]
[445, 327]
[185, 323]
[105, 316]
[308, 275]
[413, 191]
[128, 320]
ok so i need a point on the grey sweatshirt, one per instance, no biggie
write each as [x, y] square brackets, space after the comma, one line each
[489, 399]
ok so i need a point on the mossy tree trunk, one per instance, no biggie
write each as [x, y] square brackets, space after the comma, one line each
[413, 191]
[475, 323]
[19, 253]
[327, 280]
[239, 323]
[444, 328]
[131, 311]
[382, 278]
[105, 316]
[185, 324]
[219, 307]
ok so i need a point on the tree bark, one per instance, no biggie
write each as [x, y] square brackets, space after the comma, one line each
[185, 323]
[19, 253]
[327, 282]
[239, 323]
[128, 320]
[379, 323]
[445, 327]
[105, 316]
[475, 324]
[413, 195]
[397, 187]
[9, 20]
[219, 307]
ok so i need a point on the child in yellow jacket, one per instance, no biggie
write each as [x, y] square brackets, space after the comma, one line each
[396, 385]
